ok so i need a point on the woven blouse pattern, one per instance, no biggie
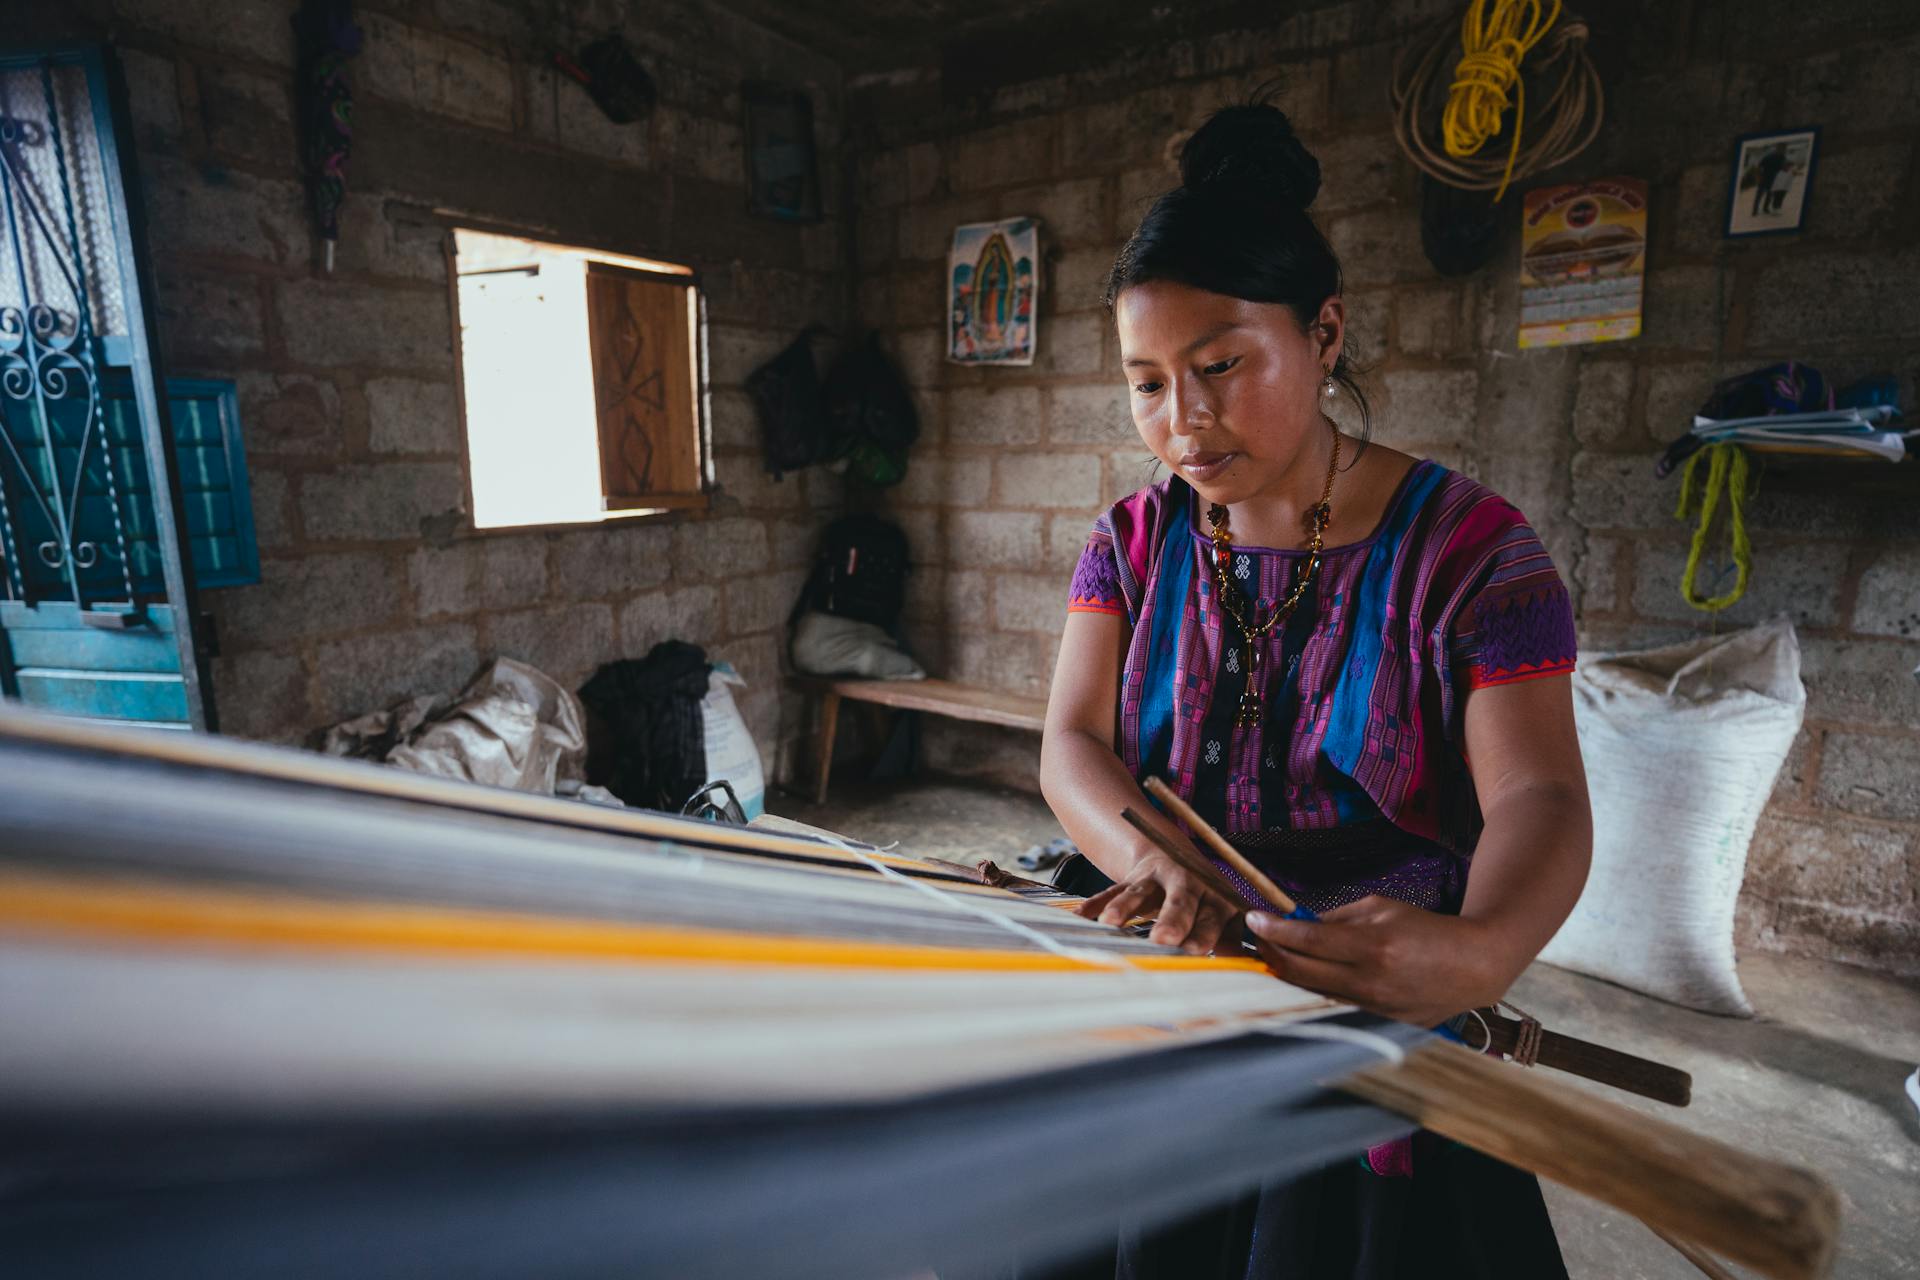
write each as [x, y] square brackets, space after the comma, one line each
[1364, 689]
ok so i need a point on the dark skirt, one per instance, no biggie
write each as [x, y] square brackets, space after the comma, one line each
[1462, 1215]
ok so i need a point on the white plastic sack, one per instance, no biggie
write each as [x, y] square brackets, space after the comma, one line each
[1682, 745]
[512, 726]
[731, 755]
[826, 645]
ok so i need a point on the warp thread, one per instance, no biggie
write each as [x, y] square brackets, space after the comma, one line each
[1085, 955]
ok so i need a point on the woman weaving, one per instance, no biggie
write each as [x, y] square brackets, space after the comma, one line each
[1354, 665]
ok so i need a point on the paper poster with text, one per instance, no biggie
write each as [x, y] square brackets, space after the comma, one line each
[1583, 257]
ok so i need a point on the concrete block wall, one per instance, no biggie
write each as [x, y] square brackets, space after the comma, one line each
[1016, 462]
[374, 584]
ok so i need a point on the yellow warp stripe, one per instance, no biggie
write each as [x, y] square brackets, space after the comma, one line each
[142, 911]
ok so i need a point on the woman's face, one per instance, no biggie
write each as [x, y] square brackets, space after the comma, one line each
[1226, 392]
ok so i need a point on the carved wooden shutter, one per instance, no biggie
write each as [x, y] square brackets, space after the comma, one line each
[641, 329]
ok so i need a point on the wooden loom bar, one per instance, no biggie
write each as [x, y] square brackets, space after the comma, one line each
[309, 769]
[1775, 1218]
[1642, 1076]
[1702, 1261]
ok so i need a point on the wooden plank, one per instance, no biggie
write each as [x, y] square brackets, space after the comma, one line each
[1780, 1220]
[947, 698]
[657, 502]
[640, 331]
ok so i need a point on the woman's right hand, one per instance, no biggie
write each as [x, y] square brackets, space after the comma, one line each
[1191, 913]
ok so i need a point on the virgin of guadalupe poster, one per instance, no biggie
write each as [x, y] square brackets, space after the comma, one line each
[991, 283]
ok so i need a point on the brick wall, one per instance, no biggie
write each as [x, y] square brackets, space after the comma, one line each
[374, 585]
[1016, 461]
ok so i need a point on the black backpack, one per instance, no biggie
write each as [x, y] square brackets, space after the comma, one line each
[860, 572]
[872, 420]
[793, 412]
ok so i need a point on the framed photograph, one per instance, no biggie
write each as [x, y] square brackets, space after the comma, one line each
[1772, 174]
[783, 176]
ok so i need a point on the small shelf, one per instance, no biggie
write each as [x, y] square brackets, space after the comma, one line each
[1800, 474]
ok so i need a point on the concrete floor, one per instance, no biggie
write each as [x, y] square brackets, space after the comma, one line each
[1816, 1079]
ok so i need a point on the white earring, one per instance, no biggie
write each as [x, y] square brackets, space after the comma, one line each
[1327, 387]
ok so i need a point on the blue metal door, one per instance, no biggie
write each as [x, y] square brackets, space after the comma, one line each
[96, 615]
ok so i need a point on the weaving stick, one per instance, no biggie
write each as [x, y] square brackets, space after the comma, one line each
[1183, 811]
[1187, 858]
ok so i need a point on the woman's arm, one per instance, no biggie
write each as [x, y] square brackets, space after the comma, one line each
[1527, 873]
[1087, 785]
[1532, 859]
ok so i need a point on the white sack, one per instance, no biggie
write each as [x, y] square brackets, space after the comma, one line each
[1682, 745]
[731, 755]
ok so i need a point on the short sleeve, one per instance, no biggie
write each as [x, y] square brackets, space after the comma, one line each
[1516, 623]
[1096, 578]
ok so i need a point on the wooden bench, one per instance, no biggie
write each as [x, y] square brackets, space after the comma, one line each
[946, 698]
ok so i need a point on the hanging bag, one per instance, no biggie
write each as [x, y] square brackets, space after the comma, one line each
[872, 418]
[786, 391]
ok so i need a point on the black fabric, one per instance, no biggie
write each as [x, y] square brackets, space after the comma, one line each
[794, 428]
[1076, 874]
[872, 419]
[860, 572]
[1462, 1215]
[648, 745]
[614, 79]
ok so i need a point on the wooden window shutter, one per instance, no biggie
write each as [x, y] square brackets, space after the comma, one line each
[641, 330]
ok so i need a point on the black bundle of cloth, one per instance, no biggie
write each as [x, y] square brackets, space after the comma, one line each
[646, 741]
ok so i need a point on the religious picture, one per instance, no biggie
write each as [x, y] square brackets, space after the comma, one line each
[783, 179]
[991, 287]
[1583, 253]
[1771, 174]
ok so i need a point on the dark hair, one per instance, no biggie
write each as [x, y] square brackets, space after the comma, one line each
[1237, 225]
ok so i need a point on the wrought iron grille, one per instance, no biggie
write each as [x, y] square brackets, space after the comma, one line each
[68, 530]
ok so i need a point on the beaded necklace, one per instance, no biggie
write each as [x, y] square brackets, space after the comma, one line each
[1237, 607]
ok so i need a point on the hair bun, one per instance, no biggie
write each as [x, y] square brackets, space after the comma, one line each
[1251, 149]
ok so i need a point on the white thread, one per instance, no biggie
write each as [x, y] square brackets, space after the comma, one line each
[1084, 955]
[1475, 1015]
[1373, 1040]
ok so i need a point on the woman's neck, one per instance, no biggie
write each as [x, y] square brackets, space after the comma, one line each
[1277, 516]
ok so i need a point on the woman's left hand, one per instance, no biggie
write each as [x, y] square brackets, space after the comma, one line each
[1388, 957]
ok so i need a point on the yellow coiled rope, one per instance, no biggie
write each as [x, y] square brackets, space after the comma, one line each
[1726, 473]
[1494, 37]
[1564, 120]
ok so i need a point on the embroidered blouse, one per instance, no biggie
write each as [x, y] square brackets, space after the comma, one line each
[1355, 781]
